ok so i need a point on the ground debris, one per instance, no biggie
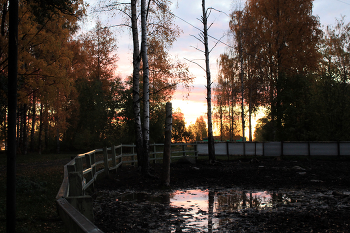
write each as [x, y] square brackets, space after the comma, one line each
[317, 201]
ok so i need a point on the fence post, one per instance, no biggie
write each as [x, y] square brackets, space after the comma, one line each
[244, 147]
[121, 151]
[121, 154]
[75, 184]
[263, 147]
[114, 162]
[167, 145]
[338, 147]
[88, 165]
[255, 149]
[133, 156]
[183, 150]
[308, 149]
[70, 168]
[155, 153]
[281, 148]
[227, 151]
[93, 161]
[196, 151]
[105, 159]
[79, 165]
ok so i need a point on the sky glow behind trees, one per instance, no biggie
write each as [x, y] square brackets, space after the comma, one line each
[193, 103]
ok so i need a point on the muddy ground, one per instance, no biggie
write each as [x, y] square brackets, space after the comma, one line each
[306, 196]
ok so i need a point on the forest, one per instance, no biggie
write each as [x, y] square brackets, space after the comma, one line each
[282, 61]
[70, 98]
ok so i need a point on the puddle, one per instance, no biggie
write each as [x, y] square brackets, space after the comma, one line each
[208, 209]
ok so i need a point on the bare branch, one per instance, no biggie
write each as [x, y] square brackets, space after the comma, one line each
[200, 20]
[196, 64]
[221, 41]
[117, 25]
[210, 25]
[216, 43]
[149, 2]
[108, 7]
[211, 8]
[200, 39]
[169, 86]
[207, 12]
[198, 49]
[197, 27]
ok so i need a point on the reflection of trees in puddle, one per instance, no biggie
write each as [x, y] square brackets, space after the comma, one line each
[207, 210]
[232, 200]
[210, 209]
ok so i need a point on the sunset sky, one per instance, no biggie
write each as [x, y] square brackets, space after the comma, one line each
[194, 105]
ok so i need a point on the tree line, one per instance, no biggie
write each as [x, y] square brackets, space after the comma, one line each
[69, 97]
[282, 61]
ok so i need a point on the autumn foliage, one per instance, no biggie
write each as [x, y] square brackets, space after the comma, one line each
[288, 63]
[69, 96]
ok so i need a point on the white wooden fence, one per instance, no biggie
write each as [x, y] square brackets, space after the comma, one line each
[73, 203]
[75, 206]
[278, 148]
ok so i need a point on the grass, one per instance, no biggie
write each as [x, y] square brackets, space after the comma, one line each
[38, 179]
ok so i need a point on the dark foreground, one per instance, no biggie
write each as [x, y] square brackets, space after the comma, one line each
[306, 196]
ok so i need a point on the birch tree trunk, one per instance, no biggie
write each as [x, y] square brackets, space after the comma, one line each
[211, 148]
[136, 83]
[145, 160]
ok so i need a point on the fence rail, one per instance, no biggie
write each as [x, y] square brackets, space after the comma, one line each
[74, 206]
[340, 148]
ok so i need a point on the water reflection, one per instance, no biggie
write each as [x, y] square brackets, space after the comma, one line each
[208, 209]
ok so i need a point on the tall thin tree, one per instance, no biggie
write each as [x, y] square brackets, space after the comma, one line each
[136, 81]
[211, 148]
[145, 68]
[12, 106]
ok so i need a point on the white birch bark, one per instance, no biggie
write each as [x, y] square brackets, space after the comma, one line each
[145, 86]
[136, 83]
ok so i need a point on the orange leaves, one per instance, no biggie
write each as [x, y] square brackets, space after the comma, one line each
[285, 34]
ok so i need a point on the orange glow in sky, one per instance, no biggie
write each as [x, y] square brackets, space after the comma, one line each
[187, 47]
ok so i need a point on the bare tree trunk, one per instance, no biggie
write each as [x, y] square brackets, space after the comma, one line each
[18, 128]
[46, 125]
[58, 125]
[145, 160]
[31, 147]
[167, 146]
[40, 128]
[136, 83]
[250, 114]
[57, 137]
[24, 129]
[12, 107]
[211, 148]
[221, 123]
[241, 74]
